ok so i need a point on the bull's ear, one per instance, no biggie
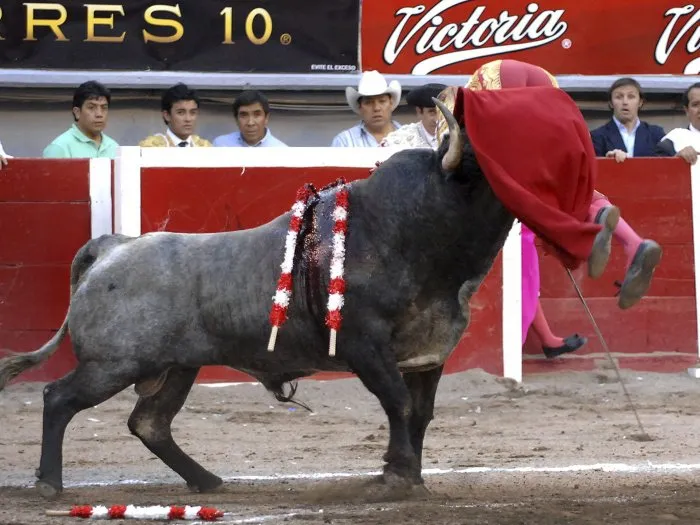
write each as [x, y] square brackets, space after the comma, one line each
[453, 155]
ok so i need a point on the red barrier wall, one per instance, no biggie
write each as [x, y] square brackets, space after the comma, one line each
[659, 333]
[45, 218]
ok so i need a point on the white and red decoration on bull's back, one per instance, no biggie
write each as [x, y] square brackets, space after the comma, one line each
[280, 304]
[336, 286]
[456, 36]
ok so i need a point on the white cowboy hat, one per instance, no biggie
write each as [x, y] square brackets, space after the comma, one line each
[373, 83]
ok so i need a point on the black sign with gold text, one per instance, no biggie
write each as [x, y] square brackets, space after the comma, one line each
[251, 36]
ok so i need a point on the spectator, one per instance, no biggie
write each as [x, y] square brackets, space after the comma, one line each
[3, 157]
[685, 142]
[625, 135]
[375, 101]
[252, 113]
[421, 134]
[179, 108]
[86, 137]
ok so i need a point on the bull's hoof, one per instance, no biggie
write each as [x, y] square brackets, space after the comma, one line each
[420, 490]
[393, 487]
[208, 484]
[395, 481]
[46, 490]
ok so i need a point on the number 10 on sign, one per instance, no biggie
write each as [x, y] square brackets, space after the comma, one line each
[227, 13]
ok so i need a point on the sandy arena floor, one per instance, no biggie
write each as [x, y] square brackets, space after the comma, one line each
[559, 449]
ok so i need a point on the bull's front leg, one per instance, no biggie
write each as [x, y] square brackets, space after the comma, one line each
[422, 387]
[379, 372]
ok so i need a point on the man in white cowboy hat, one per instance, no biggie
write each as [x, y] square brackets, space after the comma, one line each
[375, 101]
[421, 134]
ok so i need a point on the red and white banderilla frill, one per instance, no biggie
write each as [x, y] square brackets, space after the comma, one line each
[336, 286]
[280, 304]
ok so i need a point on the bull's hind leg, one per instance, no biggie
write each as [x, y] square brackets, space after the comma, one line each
[379, 372]
[88, 385]
[423, 387]
[151, 422]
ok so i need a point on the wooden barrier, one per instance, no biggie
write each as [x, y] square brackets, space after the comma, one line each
[658, 334]
[48, 209]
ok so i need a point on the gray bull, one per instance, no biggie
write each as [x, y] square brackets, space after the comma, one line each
[423, 232]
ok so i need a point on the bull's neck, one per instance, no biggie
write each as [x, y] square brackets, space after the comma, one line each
[446, 229]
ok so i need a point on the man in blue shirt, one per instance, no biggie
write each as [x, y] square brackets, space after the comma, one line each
[252, 113]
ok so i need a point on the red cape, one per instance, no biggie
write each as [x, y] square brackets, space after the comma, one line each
[535, 150]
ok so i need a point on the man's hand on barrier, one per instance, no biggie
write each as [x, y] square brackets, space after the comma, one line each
[688, 154]
[3, 161]
[617, 154]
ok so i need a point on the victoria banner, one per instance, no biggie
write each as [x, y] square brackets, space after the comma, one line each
[251, 36]
[564, 36]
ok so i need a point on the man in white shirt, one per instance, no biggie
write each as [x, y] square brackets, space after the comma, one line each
[421, 134]
[3, 157]
[685, 142]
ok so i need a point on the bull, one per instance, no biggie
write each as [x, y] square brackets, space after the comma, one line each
[423, 231]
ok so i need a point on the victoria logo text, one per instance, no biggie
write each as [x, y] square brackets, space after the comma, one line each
[478, 35]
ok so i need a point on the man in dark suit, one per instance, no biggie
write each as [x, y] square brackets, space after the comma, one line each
[625, 135]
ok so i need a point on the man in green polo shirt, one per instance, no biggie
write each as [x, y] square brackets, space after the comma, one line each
[85, 138]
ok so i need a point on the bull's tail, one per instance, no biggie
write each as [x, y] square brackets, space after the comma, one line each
[16, 363]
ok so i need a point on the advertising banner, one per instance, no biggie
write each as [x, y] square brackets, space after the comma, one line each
[246, 36]
[563, 36]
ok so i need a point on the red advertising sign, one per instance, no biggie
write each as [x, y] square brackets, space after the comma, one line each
[564, 36]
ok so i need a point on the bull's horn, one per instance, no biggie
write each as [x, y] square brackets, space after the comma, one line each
[453, 156]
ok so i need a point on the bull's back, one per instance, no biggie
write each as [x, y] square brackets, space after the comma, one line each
[169, 290]
[90, 252]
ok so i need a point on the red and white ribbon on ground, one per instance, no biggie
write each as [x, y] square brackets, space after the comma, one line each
[280, 302]
[336, 286]
[156, 512]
